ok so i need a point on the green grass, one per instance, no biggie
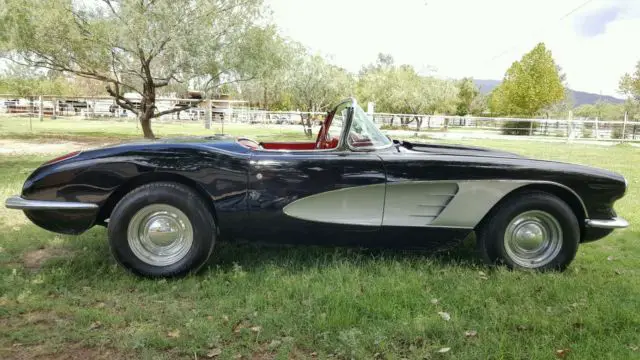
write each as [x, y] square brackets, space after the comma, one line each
[336, 303]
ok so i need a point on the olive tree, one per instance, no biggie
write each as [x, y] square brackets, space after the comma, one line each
[136, 45]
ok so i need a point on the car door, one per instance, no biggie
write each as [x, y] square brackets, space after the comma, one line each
[322, 196]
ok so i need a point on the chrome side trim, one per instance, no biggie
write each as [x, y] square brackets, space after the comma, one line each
[615, 223]
[17, 202]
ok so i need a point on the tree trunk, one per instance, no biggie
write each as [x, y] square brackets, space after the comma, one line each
[418, 122]
[147, 109]
[145, 124]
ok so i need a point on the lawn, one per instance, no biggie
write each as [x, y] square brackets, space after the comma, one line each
[64, 296]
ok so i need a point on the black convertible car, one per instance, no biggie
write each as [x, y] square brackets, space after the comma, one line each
[166, 202]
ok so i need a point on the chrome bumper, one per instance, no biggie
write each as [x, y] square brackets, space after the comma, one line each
[17, 202]
[615, 223]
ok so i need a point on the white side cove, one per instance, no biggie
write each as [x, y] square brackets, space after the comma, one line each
[416, 203]
[459, 204]
[360, 205]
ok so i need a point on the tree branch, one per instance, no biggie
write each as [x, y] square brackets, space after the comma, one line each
[175, 110]
[121, 100]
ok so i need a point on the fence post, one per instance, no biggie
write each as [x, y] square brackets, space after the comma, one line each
[55, 109]
[531, 128]
[207, 121]
[597, 131]
[624, 126]
[40, 110]
[569, 125]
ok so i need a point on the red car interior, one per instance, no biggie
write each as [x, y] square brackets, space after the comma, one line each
[322, 141]
[288, 145]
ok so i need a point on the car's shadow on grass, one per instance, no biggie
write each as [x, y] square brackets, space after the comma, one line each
[255, 256]
[91, 250]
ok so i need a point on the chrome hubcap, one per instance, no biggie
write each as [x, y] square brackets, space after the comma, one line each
[160, 234]
[533, 239]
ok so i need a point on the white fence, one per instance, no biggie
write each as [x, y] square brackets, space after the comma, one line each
[230, 112]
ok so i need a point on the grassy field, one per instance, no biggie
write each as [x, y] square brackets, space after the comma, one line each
[64, 296]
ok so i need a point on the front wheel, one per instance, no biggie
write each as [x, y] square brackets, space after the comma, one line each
[162, 230]
[532, 230]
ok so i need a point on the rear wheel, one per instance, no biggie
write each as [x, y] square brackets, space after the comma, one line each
[162, 230]
[532, 230]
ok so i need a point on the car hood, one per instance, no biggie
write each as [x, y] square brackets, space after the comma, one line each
[461, 150]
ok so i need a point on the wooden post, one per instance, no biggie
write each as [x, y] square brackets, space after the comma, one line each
[55, 109]
[569, 125]
[624, 126]
[597, 132]
[531, 128]
[40, 110]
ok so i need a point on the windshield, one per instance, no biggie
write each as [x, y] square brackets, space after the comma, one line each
[363, 133]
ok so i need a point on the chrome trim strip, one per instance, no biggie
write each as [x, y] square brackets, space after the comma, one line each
[615, 223]
[17, 202]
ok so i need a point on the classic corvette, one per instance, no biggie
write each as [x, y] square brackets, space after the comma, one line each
[167, 202]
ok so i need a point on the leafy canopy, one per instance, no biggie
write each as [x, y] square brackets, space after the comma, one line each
[529, 85]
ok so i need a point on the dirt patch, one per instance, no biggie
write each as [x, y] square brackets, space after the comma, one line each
[35, 259]
[22, 147]
[73, 352]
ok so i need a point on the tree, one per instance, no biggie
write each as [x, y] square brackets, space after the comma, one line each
[467, 93]
[316, 84]
[136, 45]
[630, 84]
[529, 85]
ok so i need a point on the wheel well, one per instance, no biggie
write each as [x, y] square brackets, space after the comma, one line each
[565, 195]
[147, 178]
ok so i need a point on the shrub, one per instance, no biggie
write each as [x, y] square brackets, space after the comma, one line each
[518, 127]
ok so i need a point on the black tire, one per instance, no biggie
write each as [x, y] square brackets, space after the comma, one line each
[175, 195]
[491, 243]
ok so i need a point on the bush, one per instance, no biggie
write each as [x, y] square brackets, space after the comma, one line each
[518, 127]
[616, 131]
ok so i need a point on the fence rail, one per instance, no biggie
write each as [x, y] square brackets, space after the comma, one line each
[210, 112]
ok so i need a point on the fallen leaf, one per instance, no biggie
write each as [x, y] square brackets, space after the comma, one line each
[522, 327]
[214, 352]
[256, 329]
[209, 317]
[314, 354]
[618, 272]
[471, 333]
[444, 350]
[274, 344]
[100, 305]
[434, 301]
[95, 325]
[174, 334]
[610, 258]
[562, 353]
[632, 347]
[225, 318]
[242, 324]
[444, 315]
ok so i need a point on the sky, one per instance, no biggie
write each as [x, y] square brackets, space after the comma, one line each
[594, 41]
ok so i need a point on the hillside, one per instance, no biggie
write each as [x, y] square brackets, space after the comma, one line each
[579, 97]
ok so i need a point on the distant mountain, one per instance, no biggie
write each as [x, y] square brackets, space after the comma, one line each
[579, 97]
